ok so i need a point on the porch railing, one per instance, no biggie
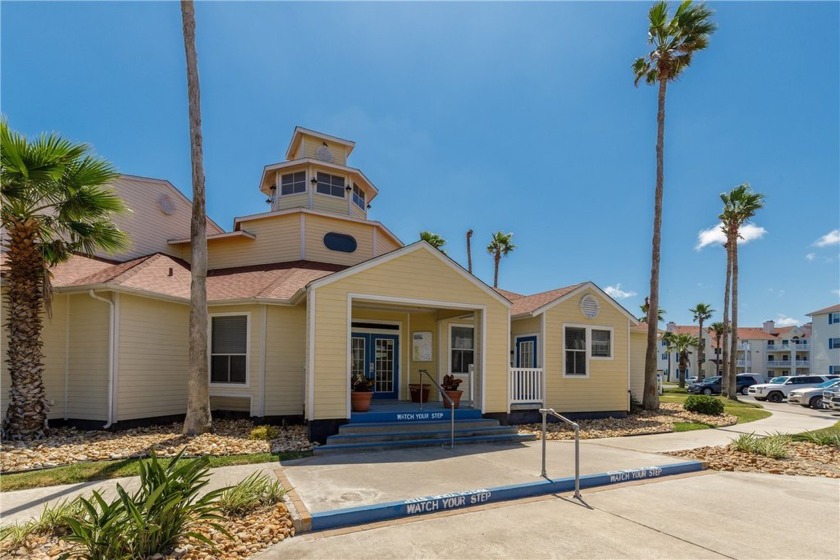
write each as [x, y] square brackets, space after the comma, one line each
[526, 385]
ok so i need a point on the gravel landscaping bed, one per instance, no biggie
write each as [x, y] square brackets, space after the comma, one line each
[65, 446]
[805, 459]
[643, 422]
[251, 534]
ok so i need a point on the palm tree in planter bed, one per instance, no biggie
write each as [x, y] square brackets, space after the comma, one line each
[361, 392]
[450, 387]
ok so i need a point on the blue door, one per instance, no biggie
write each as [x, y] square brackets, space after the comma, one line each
[526, 352]
[376, 356]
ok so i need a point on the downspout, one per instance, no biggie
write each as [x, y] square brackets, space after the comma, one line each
[111, 358]
[66, 355]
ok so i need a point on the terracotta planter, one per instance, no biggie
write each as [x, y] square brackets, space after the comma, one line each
[414, 389]
[456, 399]
[360, 401]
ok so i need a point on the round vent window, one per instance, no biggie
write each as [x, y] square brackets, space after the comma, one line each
[589, 306]
[340, 242]
[166, 205]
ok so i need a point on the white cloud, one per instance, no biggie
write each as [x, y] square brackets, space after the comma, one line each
[835, 292]
[830, 238]
[715, 236]
[617, 293]
[810, 256]
[785, 321]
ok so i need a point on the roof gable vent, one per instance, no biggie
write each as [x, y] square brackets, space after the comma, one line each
[589, 306]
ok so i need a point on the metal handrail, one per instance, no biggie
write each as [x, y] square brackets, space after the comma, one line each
[445, 396]
[545, 412]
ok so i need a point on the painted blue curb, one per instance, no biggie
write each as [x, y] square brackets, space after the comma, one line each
[456, 500]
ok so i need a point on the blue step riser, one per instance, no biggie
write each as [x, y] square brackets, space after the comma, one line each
[398, 436]
[379, 427]
[458, 500]
[405, 444]
[410, 417]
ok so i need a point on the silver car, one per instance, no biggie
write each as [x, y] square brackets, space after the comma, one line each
[813, 397]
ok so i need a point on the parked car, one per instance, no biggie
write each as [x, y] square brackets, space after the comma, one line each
[692, 379]
[831, 398]
[813, 397]
[757, 376]
[780, 387]
[712, 385]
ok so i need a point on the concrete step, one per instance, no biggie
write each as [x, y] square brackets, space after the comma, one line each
[378, 427]
[427, 415]
[406, 443]
[435, 432]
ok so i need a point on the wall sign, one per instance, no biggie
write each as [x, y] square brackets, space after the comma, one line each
[421, 346]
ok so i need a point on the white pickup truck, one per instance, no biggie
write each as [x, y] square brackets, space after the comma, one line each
[779, 387]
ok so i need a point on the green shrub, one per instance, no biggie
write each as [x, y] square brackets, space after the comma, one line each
[53, 521]
[820, 437]
[151, 520]
[703, 404]
[264, 432]
[775, 447]
[257, 490]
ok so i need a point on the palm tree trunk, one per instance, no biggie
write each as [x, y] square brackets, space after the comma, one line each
[700, 352]
[727, 331]
[198, 419]
[496, 258]
[26, 414]
[469, 251]
[733, 371]
[651, 396]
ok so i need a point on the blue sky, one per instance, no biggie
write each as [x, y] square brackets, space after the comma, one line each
[519, 117]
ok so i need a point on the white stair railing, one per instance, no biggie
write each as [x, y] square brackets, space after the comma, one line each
[526, 385]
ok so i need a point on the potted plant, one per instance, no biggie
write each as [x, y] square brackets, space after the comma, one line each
[361, 392]
[450, 387]
[418, 393]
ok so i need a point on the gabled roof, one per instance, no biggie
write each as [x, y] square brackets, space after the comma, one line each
[300, 132]
[533, 305]
[832, 309]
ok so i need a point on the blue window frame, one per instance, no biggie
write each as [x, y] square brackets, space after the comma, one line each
[833, 369]
[833, 343]
[833, 318]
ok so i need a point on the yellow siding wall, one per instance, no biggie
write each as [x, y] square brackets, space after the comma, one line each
[285, 360]
[318, 226]
[89, 345]
[331, 204]
[417, 275]
[278, 240]
[54, 337]
[153, 358]
[384, 244]
[255, 341]
[638, 345]
[309, 146]
[605, 389]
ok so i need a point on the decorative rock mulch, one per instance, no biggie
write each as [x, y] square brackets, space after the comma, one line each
[251, 534]
[806, 459]
[65, 446]
[643, 422]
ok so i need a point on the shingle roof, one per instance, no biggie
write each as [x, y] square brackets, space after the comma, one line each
[169, 276]
[526, 304]
[832, 309]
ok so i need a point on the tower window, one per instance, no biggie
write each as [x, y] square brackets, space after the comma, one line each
[332, 185]
[293, 183]
[359, 197]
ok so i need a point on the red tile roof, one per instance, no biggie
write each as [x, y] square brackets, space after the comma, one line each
[832, 309]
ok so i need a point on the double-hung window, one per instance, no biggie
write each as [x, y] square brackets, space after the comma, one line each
[833, 343]
[463, 349]
[229, 349]
[833, 318]
[358, 197]
[293, 183]
[332, 185]
[584, 344]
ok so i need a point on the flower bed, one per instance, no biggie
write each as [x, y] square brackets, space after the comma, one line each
[804, 459]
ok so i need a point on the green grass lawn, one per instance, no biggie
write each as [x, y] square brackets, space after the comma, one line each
[102, 470]
[743, 411]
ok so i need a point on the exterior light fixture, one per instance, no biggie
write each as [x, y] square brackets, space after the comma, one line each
[368, 206]
[348, 188]
[273, 187]
[313, 180]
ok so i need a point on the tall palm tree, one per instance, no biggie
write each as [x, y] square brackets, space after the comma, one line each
[680, 343]
[198, 419]
[718, 328]
[739, 205]
[53, 202]
[660, 312]
[500, 246]
[469, 250]
[674, 42]
[701, 312]
[433, 239]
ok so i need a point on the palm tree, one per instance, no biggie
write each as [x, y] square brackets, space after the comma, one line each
[674, 43]
[701, 312]
[660, 312]
[469, 251]
[433, 239]
[53, 202]
[500, 246]
[739, 205]
[680, 343]
[198, 419]
[719, 329]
